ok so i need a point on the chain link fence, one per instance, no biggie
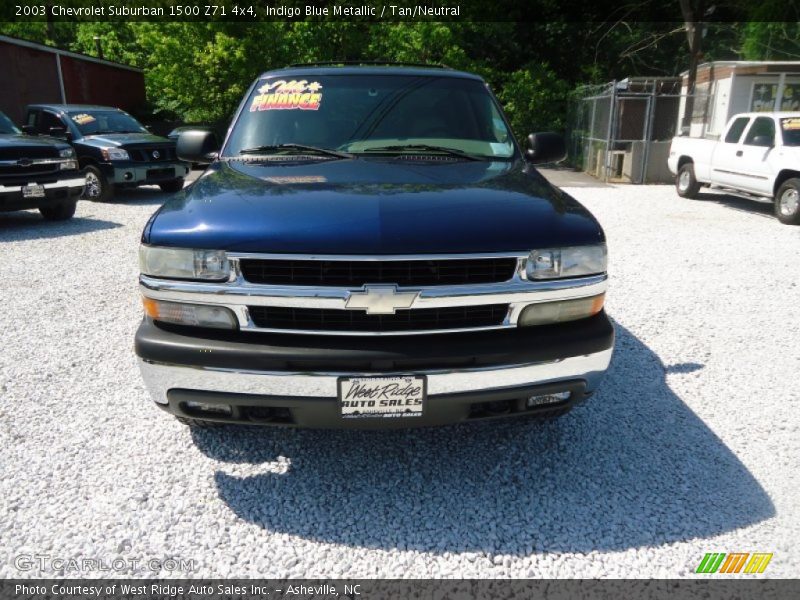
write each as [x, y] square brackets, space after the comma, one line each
[621, 131]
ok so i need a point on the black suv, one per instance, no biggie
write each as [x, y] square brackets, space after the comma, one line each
[112, 147]
[37, 172]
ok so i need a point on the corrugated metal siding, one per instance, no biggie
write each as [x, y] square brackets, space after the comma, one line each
[93, 83]
[26, 76]
[29, 75]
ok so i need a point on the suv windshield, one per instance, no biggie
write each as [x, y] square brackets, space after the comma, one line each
[791, 131]
[91, 122]
[7, 126]
[373, 114]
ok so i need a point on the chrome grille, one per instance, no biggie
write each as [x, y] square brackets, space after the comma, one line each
[356, 273]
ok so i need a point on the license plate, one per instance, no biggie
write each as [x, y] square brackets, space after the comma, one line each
[365, 397]
[33, 190]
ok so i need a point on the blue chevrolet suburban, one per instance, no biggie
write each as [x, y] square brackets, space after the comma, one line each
[369, 247]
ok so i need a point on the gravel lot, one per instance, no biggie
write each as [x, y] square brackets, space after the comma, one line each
[691, 446]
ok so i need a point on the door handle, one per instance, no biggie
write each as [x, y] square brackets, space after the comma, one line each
[738, 153]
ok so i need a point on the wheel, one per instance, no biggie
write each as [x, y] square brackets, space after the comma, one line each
[59, 212]
[97, 187]
[787, 202]
[176, 185]
[198, 423]
[685, 182]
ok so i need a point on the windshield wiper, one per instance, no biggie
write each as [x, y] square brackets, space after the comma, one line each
[302, 148]
[424, 147]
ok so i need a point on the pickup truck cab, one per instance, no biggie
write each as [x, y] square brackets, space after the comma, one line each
[113, 148]
[371, 248]
[758, 156]
[37, 172]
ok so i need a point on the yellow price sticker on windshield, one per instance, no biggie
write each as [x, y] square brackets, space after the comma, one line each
[288, 95]
[83, 119]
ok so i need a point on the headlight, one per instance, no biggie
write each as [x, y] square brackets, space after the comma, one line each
[67, 165]
[198, 315]
[182, 263]
[546, 313]
[114, 154]
[66, 153]
[575, 261]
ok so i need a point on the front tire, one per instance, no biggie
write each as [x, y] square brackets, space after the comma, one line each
[176, 185]
[59, 212]
[787, 202]
[686, 183]
[97, 188]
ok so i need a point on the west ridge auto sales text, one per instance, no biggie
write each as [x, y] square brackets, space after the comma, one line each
[167, 590]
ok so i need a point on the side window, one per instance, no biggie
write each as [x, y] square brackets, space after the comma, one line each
[48, 120]
[761, 133]
[32, 114]
[736, 129]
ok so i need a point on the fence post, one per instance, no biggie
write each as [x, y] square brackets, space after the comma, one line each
[610, 132]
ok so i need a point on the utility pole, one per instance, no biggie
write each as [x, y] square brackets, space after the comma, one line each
[692, 11]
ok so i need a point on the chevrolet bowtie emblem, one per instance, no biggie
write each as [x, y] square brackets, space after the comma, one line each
[380, 299]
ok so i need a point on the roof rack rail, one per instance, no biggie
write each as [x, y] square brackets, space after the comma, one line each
[333, 63]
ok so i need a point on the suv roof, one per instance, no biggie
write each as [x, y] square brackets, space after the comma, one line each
[69, 107]
[370, 69]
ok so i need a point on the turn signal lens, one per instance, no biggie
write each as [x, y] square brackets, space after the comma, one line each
[546, 313]
[198, 315]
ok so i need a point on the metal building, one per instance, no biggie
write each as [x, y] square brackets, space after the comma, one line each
[35, 73]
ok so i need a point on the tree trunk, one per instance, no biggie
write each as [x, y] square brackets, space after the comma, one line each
[694, 35]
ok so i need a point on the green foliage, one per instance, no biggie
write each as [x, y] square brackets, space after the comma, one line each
[198, 71]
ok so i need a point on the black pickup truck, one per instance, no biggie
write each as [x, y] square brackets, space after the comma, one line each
[37, 172]
[370, 248]
[112, 147]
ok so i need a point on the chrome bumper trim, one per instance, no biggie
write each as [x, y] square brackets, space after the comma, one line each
[159, 378]
[237, 294]
[75, 182]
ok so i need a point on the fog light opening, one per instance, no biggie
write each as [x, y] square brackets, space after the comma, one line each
[203, 407]
[541, 400]
[128, 176]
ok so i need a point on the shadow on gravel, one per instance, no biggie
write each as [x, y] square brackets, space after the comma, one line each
[29, 225]
[759, 207]
[144, 196]
[632, 467]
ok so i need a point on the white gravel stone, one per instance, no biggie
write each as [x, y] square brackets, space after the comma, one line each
[692, 444]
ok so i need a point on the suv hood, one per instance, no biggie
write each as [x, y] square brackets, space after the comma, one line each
[21, 141]
[372, 206]
[125, 139]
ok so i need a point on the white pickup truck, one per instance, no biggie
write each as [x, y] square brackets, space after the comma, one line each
[757, 156]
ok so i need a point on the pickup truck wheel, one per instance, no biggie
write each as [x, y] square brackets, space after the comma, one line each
[787, 202]
[176, 185]
[59, 212]
[199, 423]
[685, 182]
[97, 187]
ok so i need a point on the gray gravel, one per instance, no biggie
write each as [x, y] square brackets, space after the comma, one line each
[691, 446]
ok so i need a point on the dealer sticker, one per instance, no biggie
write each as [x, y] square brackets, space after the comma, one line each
[288, 95]
[361, 397]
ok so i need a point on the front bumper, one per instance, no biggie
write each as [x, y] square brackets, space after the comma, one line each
[136, 173]
[11, 197]
[469, 376]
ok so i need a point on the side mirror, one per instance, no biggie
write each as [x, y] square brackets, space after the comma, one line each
[59, 132]
[28, 130]
[546, 147]
[197, 146]
[763, 140]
